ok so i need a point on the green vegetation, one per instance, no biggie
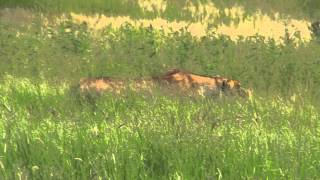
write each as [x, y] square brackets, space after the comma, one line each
[67, 52]
[44, 134]
[295, 8]
[49, 131]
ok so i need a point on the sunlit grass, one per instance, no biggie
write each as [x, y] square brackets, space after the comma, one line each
[153, 6]
[274, 27]
[205, 19]
[69, 51]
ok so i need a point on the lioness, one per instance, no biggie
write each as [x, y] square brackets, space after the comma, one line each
[178, 80]
[202, 85]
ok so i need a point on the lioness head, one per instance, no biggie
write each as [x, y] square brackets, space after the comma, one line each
[229, 84]
[233, 87]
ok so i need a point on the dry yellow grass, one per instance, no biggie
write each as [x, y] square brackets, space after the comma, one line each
[262, 24]
[270, 27]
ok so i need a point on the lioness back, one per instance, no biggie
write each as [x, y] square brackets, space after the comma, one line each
[100, 84]
[103, 84]
[199, 83]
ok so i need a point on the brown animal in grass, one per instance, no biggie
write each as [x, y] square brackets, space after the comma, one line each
[202, 85]
[179, 81]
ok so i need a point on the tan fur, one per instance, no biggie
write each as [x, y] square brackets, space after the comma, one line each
[177, 79]
[203, 85]
[103, 84]
[99, 84]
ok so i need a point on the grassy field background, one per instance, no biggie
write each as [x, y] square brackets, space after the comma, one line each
[49, 132]
[174, 10]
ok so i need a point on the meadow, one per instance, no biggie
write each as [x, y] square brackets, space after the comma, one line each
[49, 131]
[173, 10]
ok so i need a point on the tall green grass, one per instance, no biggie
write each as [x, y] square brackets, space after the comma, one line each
[111, 7]
[47, 134]
[175, 9]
